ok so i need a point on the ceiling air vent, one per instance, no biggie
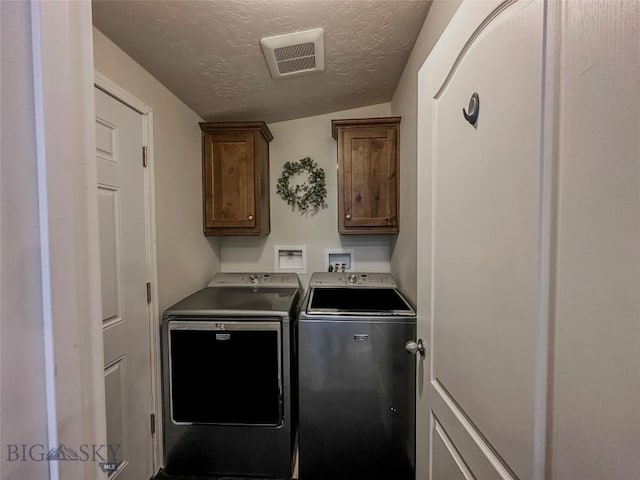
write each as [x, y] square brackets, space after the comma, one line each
[294, 53]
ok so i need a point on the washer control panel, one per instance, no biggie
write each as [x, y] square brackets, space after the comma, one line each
[273, 280]
[341, 279]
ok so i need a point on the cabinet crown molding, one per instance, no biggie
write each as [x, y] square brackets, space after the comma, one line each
[243, 127]
[362, 122]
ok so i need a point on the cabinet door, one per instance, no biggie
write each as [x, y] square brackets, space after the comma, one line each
[229, 180]
[369, 190]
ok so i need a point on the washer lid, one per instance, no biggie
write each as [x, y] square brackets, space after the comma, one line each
[236, 301]
[358, 301]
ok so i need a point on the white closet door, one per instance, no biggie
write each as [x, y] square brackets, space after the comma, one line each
[529, 228]
[125, 311]
[482, 391]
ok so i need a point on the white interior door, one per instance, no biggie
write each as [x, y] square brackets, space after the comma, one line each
[482, 391]
[125, 311]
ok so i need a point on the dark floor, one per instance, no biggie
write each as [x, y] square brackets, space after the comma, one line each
[162, 475]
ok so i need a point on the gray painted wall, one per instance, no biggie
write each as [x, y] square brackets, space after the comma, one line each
[293, 140]
[405, 104]
[186, 258]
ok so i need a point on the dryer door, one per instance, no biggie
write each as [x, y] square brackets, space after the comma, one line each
[225, 372]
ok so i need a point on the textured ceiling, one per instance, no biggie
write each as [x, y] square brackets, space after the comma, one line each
[208, 52]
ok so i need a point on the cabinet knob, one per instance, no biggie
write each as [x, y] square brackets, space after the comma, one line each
[348, 217]
[250, 217]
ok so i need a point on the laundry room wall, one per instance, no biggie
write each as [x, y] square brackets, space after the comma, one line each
[404, 103]
[186, 258]
[293, 140]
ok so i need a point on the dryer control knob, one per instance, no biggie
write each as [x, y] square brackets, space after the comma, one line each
[253, 278]
[352, 278]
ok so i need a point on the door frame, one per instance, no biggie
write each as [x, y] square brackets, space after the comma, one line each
[111, 88]
[64, 138]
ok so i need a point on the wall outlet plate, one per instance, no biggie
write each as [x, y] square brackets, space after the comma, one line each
[340, 257]
[290, 258]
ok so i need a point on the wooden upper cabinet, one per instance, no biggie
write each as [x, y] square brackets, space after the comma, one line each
[235, 178]
[367, 174]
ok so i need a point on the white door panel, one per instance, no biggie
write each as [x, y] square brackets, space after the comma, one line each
[485, 235]
[447, 462]
[110, 254]
[529, 228]
[484, 239]
[126, 334]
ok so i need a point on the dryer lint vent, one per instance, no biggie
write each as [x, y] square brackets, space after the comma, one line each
[294, 53]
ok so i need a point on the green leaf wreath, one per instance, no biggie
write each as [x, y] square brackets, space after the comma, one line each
[308, 194]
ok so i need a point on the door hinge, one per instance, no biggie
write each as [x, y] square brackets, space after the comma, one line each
[153, 423]
[144, 157]
[148, 292]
